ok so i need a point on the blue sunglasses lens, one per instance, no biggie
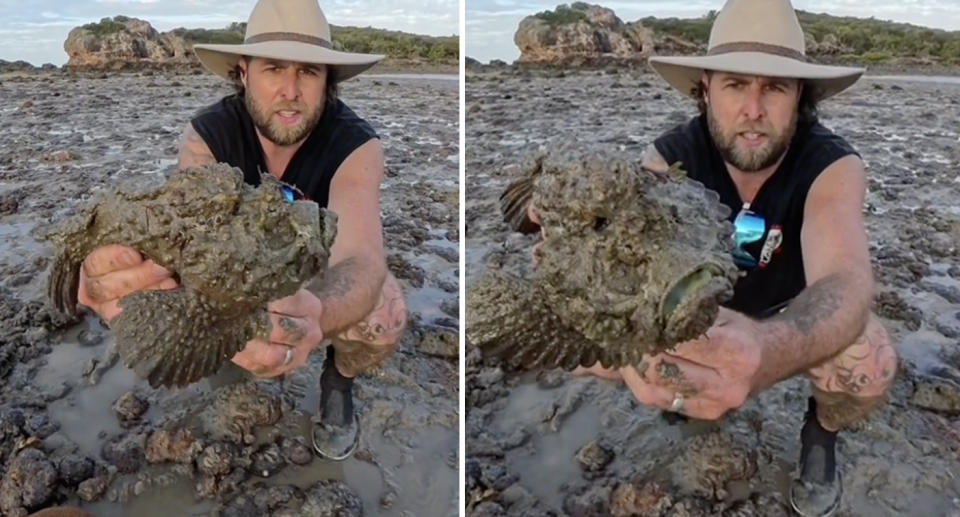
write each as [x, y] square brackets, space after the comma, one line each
[287, 193]
[748, 229]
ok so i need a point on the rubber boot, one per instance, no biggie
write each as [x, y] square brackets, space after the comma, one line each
[336, 433]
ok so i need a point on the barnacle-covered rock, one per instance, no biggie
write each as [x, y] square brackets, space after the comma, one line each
[632, 262]
[233, 247]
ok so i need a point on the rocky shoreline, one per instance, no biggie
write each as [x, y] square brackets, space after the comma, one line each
[638, 65]
[553, 445]
[22, 68]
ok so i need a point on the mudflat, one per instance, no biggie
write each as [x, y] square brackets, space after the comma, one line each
[77, 427]
[551, 444]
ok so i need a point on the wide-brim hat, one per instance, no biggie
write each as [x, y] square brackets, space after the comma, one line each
[758, 38]
[287, 30]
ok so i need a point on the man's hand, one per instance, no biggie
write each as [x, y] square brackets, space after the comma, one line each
[715, 373]
[295, 326]
[112, 272]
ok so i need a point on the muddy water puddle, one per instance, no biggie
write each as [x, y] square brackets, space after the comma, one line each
[524, 433]
[76, 136]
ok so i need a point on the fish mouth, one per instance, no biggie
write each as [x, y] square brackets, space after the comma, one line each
[689, 286]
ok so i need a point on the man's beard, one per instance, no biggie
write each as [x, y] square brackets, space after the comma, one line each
[751, 160]
[280, 134]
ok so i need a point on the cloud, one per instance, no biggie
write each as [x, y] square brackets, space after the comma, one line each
[37, 34]
[490, 24]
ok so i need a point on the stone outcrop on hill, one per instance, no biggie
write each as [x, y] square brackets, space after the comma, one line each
[124, 42]
[584, 34]
[581, 30]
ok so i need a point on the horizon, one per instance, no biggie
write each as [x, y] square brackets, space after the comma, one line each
[37, 35]
[491, 24]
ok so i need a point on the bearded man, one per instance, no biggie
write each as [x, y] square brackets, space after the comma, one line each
[286, 119]
[796, 192]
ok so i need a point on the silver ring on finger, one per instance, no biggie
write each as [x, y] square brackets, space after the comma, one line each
[288, 358]
[677, 403]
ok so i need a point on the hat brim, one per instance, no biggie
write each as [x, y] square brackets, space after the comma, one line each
[221, 59]
[684, 73]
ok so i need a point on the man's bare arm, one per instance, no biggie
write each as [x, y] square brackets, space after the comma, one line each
[832, 311]
[194, 152]
[350, 288]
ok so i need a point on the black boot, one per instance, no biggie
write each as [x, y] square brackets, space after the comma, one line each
[819, 490]
[336, 434]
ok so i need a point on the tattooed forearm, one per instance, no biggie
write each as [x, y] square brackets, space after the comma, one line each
[820, 322]
[373, 339]
[348, 291]
[194, 151]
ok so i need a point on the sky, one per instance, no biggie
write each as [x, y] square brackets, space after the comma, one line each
[34, 30]
[490, 24]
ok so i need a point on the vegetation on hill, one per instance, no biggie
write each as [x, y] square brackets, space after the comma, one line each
[564, 15]
[393, 44]
[868, 39]
[107, 26]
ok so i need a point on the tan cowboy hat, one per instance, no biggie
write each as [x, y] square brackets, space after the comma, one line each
[756, 37]
[288, 30]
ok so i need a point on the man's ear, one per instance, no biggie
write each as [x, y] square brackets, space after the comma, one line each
[242, 65]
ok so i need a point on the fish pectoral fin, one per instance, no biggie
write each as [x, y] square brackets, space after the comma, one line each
[63, 284]
[507, 319]
[514, 204]
[174, 337]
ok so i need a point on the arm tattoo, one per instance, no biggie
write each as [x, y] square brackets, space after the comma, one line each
[355, 357]
[370, 341]
[348, 291]
[818, 302]
[337, 281]
[820, 322]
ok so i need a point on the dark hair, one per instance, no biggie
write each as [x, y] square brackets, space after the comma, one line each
[807, 107]
[332, 88]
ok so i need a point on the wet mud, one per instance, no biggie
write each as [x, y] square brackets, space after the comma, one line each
[550, 444]
[78, 428]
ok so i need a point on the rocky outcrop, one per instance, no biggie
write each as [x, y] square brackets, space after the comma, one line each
[582, 34]
[579, 32]
[123, 43]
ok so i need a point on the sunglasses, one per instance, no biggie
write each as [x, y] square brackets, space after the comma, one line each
[749, 228]
[291, 194]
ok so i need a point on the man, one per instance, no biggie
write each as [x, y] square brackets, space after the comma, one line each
[286, 120]
[796, 191]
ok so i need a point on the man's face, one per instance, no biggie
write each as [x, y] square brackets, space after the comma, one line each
[284, 98]
[751, 119]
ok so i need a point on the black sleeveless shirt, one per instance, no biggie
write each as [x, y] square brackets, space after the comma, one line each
[780, 201]
[228, 130]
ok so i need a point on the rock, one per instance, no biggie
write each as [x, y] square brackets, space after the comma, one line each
[121, 43]
[581, 32]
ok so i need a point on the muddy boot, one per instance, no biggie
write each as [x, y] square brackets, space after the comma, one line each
[336, 434]
[818, 491]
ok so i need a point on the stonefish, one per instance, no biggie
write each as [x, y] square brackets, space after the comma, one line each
[631, 262]
[233, 248]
